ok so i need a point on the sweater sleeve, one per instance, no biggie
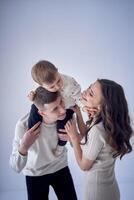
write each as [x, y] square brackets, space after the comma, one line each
[75, 89]
[71, 91]
[18, 161]
[94, 144]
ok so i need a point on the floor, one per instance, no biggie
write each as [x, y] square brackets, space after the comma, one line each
[127, 193]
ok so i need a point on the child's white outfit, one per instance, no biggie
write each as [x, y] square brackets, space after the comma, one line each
[71, 91]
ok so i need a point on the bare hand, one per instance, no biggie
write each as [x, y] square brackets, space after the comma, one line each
[71, 129]
[76, 109]
[29, 137]
[31, 95]
[92, 112]
[63, 137]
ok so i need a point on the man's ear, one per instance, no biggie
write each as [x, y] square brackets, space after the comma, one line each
[41, 112]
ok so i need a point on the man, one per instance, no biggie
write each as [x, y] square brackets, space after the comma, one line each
[33, 150]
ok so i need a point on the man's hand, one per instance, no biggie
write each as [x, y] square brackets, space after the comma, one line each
[29, 138]
[63, 136]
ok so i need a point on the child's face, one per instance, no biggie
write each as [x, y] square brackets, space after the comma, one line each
[56, 85]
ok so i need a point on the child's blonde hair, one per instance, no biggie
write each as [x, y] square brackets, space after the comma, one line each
[43, 72]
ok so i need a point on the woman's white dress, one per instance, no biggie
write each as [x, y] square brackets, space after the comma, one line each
[100, 181]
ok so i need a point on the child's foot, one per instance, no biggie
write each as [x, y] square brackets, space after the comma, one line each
[58, 150]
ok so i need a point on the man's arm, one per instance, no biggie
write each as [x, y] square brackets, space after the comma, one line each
[22, 141]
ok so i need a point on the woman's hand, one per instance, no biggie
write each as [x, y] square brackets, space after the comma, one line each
[92, 112]
[71, 129]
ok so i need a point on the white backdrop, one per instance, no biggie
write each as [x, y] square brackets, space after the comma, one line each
[86, 39]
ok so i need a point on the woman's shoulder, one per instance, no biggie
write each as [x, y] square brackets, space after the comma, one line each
[99, 127]
[99, 130]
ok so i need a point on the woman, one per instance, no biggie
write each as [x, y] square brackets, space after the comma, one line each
[106, 137]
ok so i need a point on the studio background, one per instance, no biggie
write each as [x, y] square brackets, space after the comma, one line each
[86, 39]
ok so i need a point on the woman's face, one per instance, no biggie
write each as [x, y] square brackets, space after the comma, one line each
[92, 97]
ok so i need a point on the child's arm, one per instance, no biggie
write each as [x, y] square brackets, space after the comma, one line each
[75, 90]
[71, 91]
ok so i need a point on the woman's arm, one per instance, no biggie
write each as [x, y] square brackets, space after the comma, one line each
[84, 163]
[80, 122]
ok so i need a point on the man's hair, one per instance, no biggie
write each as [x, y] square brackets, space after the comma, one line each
[43, 72]
[43, 96]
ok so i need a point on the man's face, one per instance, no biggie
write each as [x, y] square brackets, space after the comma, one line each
[54, 111]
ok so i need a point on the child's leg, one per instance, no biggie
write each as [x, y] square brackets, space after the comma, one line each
[34, 116]
[62, 123]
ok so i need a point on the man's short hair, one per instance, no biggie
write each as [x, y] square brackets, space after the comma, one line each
[43, 96]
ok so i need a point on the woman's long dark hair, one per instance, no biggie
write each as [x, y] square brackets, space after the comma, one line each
[115, 117]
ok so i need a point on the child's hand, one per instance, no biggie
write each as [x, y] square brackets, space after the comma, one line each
[76, 109]
[31, 95]
[71, 129]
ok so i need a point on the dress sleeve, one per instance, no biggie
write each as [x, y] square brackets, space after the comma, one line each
[94, 144]
[18, 161]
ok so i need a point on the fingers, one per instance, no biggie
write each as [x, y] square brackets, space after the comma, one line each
[37, 135]
[83, 101]
[31, 95]
[69, 125]
[35, 127]
[63, 137]
[85, 94]
[75, 108]
[35, 130]
[62, 130]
